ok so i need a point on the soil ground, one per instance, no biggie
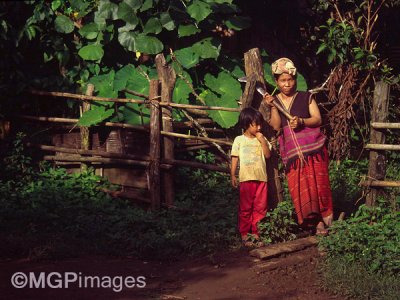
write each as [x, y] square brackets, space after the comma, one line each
[232, 275]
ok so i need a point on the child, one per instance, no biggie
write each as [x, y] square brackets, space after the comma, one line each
[250, 149]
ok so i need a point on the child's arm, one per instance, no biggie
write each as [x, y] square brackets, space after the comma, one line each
[264, 144]
[234, 164]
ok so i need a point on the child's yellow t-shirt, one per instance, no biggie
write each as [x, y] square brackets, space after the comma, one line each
[252, 164]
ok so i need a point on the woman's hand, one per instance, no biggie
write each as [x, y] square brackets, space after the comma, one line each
[296, 122]
[269, 99]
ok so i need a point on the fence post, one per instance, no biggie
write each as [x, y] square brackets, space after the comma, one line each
[379, 113]
[154, 166]
[85, 132]
[167, 76]
[254, 70]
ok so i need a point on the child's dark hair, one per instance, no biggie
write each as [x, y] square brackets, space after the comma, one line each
[248, 116]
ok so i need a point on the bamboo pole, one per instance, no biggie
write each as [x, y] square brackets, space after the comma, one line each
[383, 147]
[85, 132]
[73, 121]
[380, 183]
[167, 76]
[101, 160]
[119, 158]
[379, 113]
[382, 125]
[121, 100]
[154, 167]
[122, 125]
[88, 152]
[186, 136]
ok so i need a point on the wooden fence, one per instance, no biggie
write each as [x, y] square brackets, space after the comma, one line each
[160, 161]
[376, 179]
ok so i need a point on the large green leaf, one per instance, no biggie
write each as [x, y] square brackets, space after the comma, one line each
[301, 83]
[79, 5]
[146, 5]
[269, 78]
[187, 57]
[186, 30]
[127, 13]
[94, 116]
[134, 4]
[148, 44]
[91, 52]
[199, 10]
[167, 21]
[63, 24]
[127, 40]
[224, 85]
[107, 10]
[219, 1]
[136, 114]
[238, 23]
[122, 77]
[225, 119]
[137, 82]
[153, 25]
[104, 86]
[181, 91]
[207, 48]
[89, 31]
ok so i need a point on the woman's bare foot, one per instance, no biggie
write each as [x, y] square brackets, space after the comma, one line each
[321, 230]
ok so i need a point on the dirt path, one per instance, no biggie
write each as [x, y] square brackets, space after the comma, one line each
[232, 276]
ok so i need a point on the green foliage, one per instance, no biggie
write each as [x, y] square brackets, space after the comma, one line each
[369, 238]
[353, 281]
[344, 178]
[279, 225]
[362, 255]
[337, 41]
[53, 214]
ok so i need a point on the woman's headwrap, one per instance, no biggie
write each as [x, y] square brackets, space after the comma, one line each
[283, 65]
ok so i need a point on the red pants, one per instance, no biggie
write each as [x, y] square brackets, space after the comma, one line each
[252, 206]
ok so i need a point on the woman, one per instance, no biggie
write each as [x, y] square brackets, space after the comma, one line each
[302, 148]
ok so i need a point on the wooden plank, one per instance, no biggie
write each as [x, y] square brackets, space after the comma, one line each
[383, 125]
[379, 113]
[167, 76]
[283, 248]
[154, 167]
[382, 147]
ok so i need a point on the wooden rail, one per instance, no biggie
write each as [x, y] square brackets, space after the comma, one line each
[383, 147]
[382, 125]
[122, 100]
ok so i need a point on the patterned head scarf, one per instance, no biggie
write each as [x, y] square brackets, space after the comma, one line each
[283, 65]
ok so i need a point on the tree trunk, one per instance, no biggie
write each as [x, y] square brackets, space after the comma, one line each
[254, 68]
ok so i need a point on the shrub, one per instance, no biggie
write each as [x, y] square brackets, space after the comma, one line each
[364, 247]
